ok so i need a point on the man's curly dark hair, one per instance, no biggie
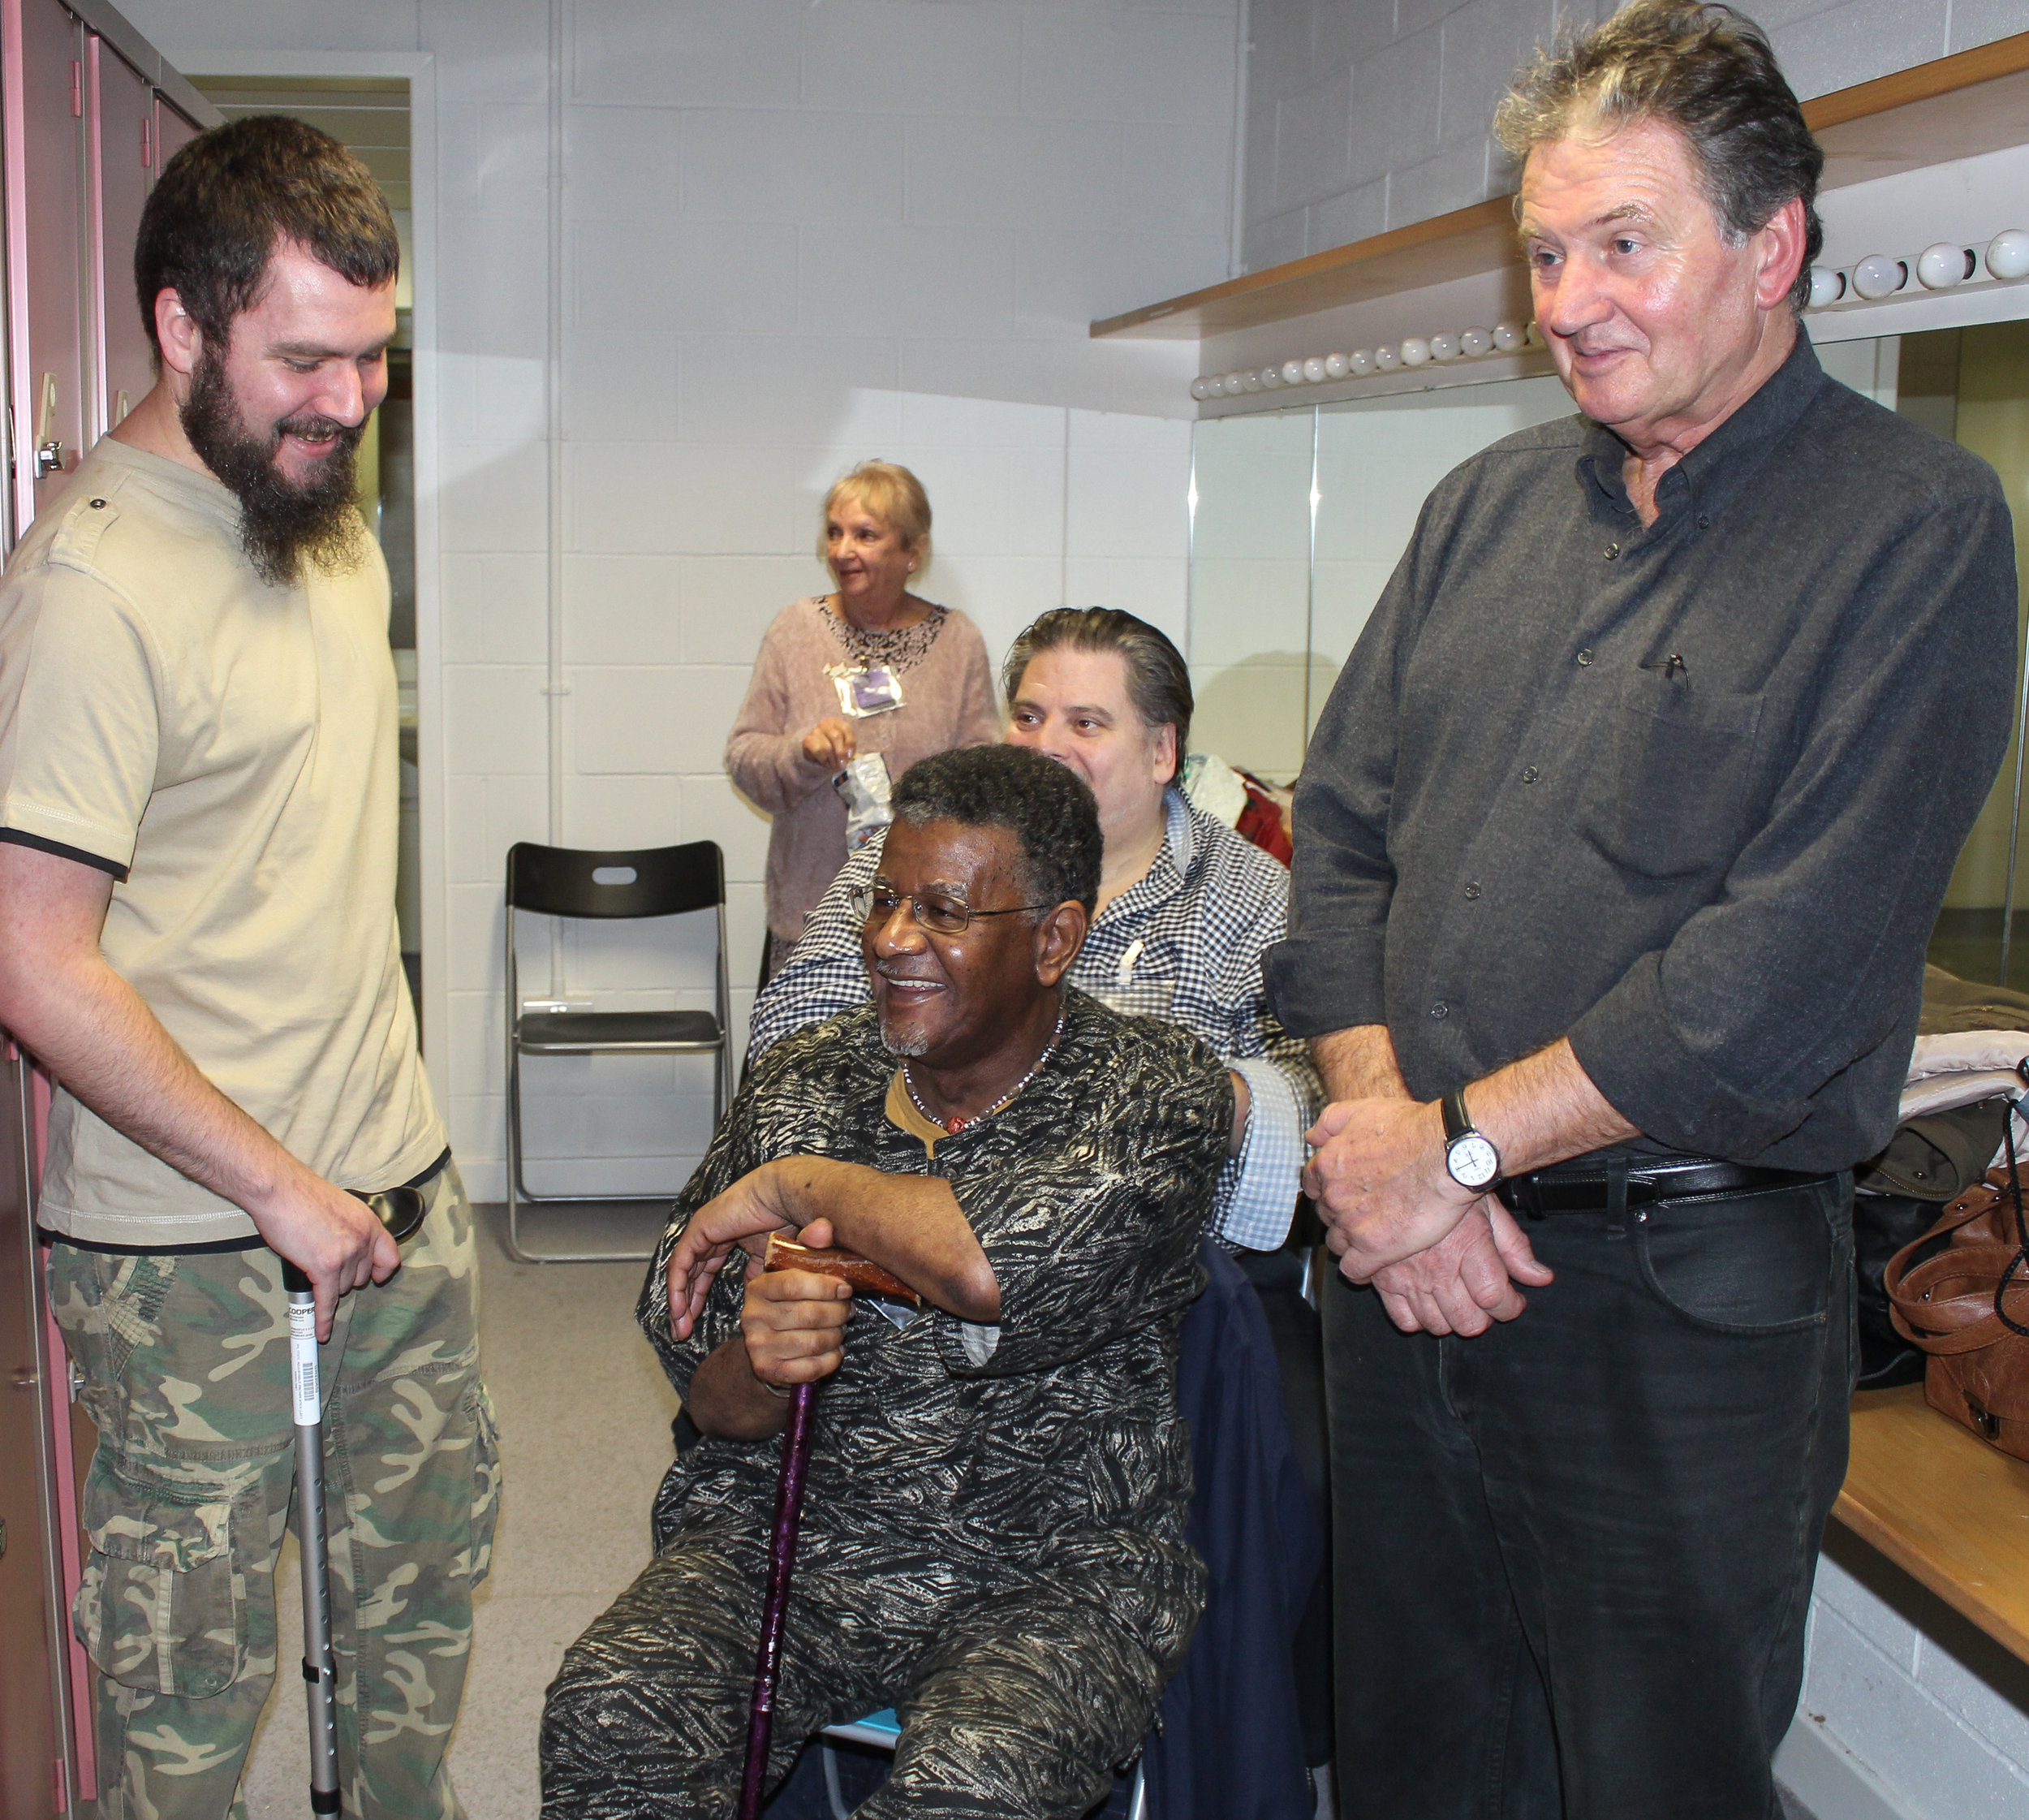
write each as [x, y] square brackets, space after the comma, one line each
[1049, 808]
[212, 222]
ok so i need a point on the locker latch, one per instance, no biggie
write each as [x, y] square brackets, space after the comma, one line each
[48, 446]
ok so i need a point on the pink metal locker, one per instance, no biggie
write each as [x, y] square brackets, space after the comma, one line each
[42, 112]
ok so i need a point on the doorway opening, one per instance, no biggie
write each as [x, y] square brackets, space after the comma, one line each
[370, 116]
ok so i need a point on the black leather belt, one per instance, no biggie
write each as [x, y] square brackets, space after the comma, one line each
[1587, 1187]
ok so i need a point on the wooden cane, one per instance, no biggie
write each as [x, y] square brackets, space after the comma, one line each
[866, 1278]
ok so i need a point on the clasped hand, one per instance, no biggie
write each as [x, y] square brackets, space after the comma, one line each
[1442, 1259]
[741, 1219]
[793, 1321]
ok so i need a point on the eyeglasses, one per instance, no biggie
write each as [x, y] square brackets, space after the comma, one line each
[942, 916]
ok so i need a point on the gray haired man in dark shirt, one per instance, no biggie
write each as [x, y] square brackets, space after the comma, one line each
[1617, 847]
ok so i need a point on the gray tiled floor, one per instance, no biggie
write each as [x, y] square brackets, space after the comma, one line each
[584, 1416]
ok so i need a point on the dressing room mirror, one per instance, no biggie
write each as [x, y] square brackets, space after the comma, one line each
[1250, 588]
[1300, 516]
[1972, 385]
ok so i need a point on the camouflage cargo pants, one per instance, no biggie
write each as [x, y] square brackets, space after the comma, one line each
[186, 1363]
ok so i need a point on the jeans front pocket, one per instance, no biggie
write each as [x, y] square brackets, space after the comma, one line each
[1757, 1261]
[161, 1606]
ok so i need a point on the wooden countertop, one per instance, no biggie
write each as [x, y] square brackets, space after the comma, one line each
[1945, 1507]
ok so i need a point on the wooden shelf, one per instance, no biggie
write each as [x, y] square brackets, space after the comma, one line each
[1956, 107]
[1948, 1510]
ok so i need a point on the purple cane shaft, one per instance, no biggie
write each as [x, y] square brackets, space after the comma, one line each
[781, 1562]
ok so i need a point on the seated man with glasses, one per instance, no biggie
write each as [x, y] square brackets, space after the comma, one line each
[993, 1537]
[1186, 908]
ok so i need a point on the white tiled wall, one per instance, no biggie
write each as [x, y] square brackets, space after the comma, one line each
[797, 234]
[1363, 115]
[1938, 1713]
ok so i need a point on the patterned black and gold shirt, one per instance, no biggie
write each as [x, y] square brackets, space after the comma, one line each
[954, 1453]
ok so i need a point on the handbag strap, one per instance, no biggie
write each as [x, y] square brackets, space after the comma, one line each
[1964, 1322]
[1968, 1326]
[1967, 1208]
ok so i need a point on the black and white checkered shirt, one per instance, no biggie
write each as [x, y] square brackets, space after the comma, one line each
[1183, 944]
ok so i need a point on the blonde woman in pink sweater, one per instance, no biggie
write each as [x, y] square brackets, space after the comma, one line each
[868, 668]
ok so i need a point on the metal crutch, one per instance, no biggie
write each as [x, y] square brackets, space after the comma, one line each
[401, 1211]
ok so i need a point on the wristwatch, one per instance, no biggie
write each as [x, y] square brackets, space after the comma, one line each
[1470, 1154]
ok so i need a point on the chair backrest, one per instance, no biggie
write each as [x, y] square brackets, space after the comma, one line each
[643, 882]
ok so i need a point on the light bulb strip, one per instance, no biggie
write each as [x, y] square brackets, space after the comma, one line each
[1943, 266]
[1363, 363]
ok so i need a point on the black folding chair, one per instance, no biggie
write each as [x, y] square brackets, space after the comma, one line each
[571, 882]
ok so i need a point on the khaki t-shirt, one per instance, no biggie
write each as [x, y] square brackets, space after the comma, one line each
[232, 746]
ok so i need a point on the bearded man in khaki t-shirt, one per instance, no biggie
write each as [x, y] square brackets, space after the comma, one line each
[198, 939]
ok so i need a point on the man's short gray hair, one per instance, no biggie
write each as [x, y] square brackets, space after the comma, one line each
[1703, 69]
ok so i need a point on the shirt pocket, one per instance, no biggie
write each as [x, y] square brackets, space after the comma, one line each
[1142, 983]
[1666, 791]
[162, 1606]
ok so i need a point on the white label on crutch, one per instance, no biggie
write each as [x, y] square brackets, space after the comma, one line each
[303, 1362]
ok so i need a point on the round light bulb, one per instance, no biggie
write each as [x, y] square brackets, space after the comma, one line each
[1532, 333]
[1201, 388]
[1337, 366]
[1235, 384]
[1292, 373]
[1445, 347]
[1271, 378]
[1827, 286]
[1314, 369]
[1508, 336]
[1361, 362]
[1473, 343]
[1386, 359]
[1940, 266]
[2008, 254]
[1415, 352]
[1251, 381]
[1877, 275]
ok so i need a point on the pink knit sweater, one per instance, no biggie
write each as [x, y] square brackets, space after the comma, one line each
[947, 701]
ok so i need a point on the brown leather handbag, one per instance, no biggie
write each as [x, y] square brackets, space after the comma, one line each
[1967, 1306]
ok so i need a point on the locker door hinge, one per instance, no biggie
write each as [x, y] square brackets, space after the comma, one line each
[77, 90]
[148, 143]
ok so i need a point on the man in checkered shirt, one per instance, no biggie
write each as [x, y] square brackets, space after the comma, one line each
[1185, 905]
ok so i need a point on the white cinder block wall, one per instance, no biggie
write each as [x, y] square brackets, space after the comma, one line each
[797, 233]
[1363, 115]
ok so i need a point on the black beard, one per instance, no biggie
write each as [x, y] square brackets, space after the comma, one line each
[282, 524]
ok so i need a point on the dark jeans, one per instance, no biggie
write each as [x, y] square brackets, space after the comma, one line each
[1574, 1555]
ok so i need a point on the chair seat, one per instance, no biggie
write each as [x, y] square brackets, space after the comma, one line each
[879, 1729]
[540, 1032]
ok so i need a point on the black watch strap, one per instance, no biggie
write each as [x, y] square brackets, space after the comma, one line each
[1457, 1121]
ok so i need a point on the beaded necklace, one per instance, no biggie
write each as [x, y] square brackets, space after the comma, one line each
[955, 1126]
[899, 648]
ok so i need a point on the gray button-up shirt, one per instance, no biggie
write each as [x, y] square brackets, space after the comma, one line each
[1689, 795]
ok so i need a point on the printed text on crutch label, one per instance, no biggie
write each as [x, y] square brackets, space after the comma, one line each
[303, 1362]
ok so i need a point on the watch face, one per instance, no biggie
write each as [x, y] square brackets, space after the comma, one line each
[1473, 1161]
